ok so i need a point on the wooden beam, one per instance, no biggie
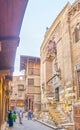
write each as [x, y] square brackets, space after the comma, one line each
[9, 38]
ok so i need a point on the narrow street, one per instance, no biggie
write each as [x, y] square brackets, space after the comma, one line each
[39, 65]
[29, 125]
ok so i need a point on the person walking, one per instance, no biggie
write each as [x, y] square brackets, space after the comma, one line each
[14, 116]
[10, 118]
[20, 115]
[29, 114]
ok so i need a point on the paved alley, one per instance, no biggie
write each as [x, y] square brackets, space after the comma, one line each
[29, 125]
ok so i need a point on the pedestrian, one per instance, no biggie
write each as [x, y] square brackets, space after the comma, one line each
[20, 115]
[29, 114]
[14, 116]
[10, 119]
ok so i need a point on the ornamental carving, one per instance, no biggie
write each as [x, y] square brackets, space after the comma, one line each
[51, 48]
[74, 9]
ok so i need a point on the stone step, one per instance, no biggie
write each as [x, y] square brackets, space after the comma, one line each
[58, 117]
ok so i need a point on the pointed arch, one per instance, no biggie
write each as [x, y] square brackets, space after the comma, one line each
[77, 33]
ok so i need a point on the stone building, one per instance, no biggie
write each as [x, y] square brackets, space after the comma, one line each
[60, 60]
[74, 18]
[53, 48]
[32, 77]
[17, 97]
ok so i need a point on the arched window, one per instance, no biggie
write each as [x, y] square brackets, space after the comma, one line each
[77, 33]
[78, 81]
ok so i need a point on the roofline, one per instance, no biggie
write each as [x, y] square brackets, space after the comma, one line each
[27, 56]
[73, 4]
[26, 59]
[48, 32]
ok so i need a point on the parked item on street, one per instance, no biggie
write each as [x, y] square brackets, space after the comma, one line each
[20, 115]
[10, 119]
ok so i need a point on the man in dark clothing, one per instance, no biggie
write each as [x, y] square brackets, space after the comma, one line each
[29, 114]
[10, 119]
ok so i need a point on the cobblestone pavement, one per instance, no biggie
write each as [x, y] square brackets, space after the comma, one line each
[29, 125]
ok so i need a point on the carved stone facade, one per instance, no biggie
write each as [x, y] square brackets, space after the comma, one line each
[51, 66]
[74, 18]
[61, 72]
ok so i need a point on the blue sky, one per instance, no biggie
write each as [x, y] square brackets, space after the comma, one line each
[39, 14]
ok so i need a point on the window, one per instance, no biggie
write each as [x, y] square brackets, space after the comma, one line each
[34, 71]
[30, 82]
[31, 71]
[77, 34]
[78, 80]
[20, 87]
[57, 94]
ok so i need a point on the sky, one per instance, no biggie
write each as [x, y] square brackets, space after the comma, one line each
[39, 14]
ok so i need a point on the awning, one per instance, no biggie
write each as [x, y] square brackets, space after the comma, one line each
[11, 17]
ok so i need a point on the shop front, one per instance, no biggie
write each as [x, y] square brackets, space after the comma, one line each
[20, 105]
